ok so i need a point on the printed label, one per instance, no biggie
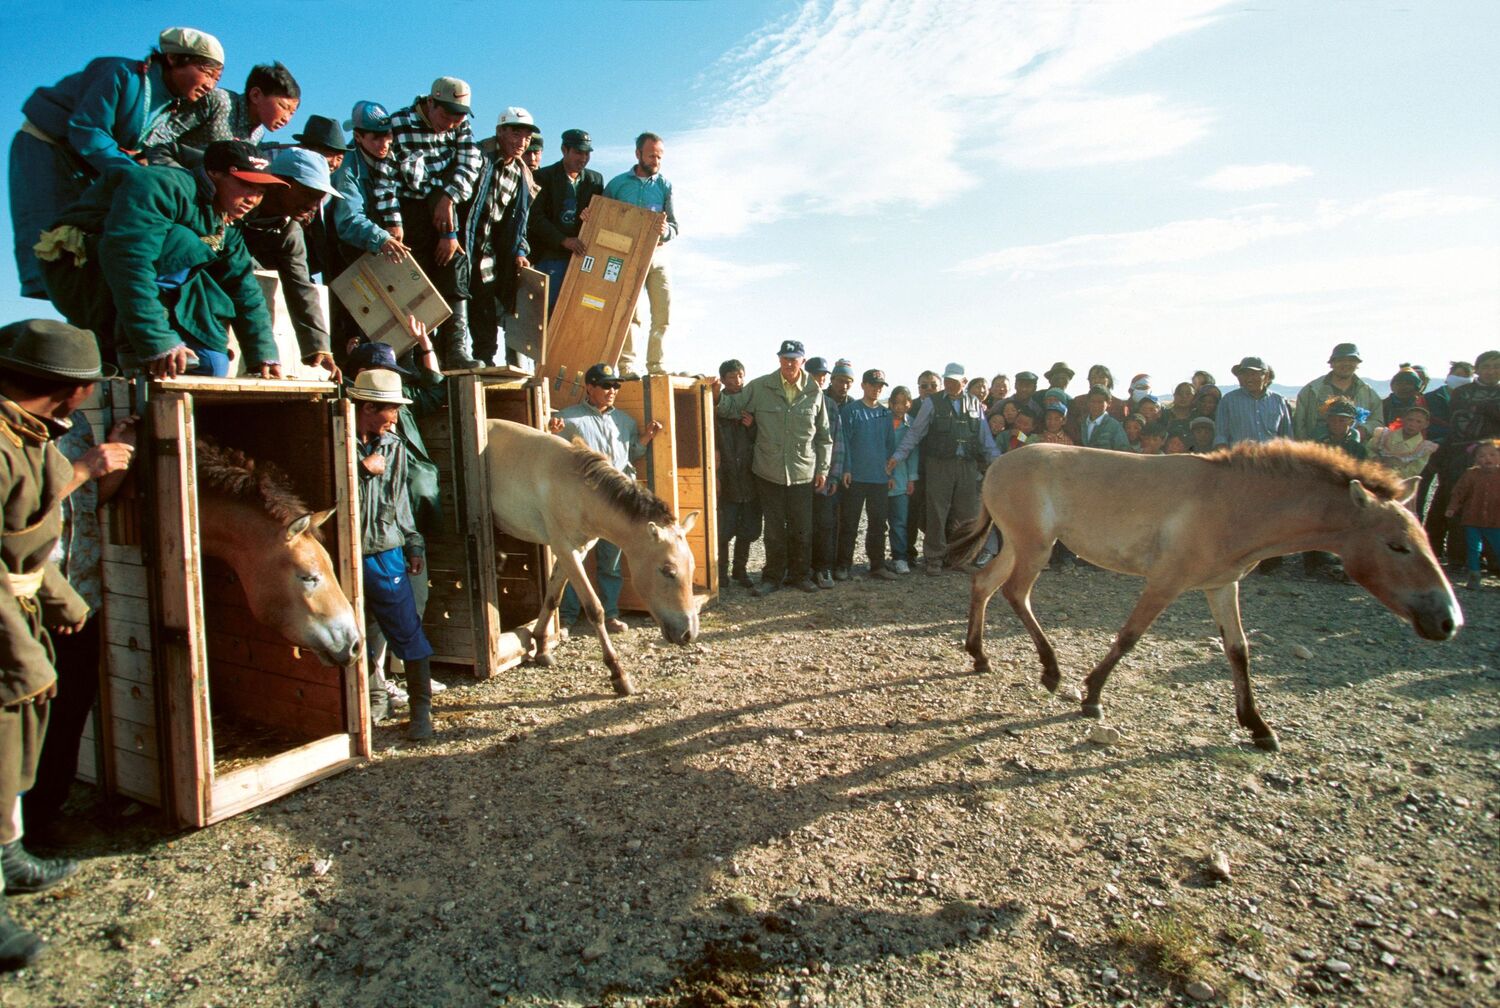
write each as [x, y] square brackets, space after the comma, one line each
[587, 266]
[589, 301]
[612, 269]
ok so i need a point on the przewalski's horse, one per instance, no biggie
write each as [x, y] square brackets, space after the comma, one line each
[545, 490]
[1230, 510]
[250, 517]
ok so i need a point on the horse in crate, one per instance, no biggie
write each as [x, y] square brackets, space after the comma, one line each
[545, 490]
[250, 517]
[1229, 510]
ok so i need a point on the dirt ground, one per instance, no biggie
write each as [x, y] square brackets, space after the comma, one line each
[819, 804]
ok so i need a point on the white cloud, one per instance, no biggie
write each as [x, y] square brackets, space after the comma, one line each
[1243, 178]
[854, 107]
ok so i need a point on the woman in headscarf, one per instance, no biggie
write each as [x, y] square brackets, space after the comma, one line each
[96, 119]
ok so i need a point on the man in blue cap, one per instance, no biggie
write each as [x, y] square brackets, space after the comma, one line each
[614, 434]
[793, 453]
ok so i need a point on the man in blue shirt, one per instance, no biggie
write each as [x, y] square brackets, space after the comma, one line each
[1251, 412]
[869, 438]
[612, 433]
[644, 186]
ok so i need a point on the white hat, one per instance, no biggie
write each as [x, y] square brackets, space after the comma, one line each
[516, 116]
[190, 42]
[954, 371]
[378, 386]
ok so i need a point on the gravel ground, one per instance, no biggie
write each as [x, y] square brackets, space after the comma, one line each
[819, 803]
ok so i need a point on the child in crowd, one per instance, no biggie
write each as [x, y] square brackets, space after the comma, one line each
[1133, 425]
[1175, 444]
[1476, 504]
[1148, 409]
[1021, 432]
[1406, 391]
[1404, 446]
[1206, 402]
[1201, 435]
[903, 481]
[1054, 417]
[1153, 436]
[1340, 415]
[979, 389]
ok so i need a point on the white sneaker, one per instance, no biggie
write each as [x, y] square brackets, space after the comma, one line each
[900, 566]
[398, 696]
[437, 687]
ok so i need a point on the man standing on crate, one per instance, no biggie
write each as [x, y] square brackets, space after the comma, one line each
[494, 235]
[612, 433]
[645, 186]
[47, 370]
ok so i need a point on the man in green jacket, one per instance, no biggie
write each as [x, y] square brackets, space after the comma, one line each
[150, 262]
[1308, 423]
[47, 370]
[793, 451]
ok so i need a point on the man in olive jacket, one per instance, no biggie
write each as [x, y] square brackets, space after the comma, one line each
[793, 451]
[47, 370]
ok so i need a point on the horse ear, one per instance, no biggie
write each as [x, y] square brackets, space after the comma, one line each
[298, 527]
[321, 517]
[1409, 490]
[656, 530]
[688, 522]
[1359, 495]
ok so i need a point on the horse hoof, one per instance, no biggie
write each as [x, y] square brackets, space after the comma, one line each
[1268, 744]
[544, 660]
[981, 667]
[624, 686]
[1093, 710]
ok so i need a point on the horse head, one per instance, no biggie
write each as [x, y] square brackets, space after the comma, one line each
[1385, 550]
[661, 569]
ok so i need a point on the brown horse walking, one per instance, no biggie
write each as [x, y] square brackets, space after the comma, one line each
[1231, 510]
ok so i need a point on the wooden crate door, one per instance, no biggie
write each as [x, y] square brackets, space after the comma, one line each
[350, 570]
[470, 419]
[182, 658]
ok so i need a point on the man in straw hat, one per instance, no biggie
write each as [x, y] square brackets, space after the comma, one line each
[393, 548]
[1251, 412]
[47, 370]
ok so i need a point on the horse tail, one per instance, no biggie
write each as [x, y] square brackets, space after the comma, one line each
[962, 551]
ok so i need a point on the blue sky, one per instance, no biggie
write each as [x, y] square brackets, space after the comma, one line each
[1155, 186]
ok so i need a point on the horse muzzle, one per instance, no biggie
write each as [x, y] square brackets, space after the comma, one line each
[1436, 615]
[683, 630]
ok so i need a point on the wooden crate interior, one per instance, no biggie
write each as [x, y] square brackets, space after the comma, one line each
[448, 619]
[265, 696]
[518, 564]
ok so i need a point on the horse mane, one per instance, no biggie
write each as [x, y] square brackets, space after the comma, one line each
[623, 493]
[239, 477]
[1309, 460]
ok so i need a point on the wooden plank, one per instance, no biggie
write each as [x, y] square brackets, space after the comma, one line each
[527, 328]
[469, 414]
[599, 294]
[135, 776]
[271, 778]
[351, 573]
[137, 739]
[126, 579]
[284, 388]
[380, 294]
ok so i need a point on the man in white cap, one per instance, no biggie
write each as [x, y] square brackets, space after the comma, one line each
[956, 443]
[419, 191]
[494, 233]
[393, 549]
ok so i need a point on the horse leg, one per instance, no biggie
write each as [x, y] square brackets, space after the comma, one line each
[1149, 606]
[592, 609]
[551, 596]
[1224, 603]
[1024, 569]
[986, 582]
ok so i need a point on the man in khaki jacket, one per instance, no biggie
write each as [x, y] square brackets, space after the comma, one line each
[792, 454]
[47, 369]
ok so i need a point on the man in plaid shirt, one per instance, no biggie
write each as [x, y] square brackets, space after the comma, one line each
[418, 190]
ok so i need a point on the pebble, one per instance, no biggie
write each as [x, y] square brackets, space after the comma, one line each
[1218, 866]
[1200, 991]
[1104, 735]
[1110, 976]
[595, 951]
[1301, 651]
[1337, 966]
[1306, 955]
[740, 903]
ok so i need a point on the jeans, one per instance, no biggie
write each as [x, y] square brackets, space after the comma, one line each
[739, 521]
[873, 499]
[897, 516]
[788, 517]
[1477, 538]
[825, 532]
[607, 574]
[557, 271]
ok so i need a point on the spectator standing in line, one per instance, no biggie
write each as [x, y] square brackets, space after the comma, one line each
[1440, 402]
[613, 433]
[1023, 431]
[1202, 380]
[494, 236]
[1055, 424]
[739, 507]
[1058, 376]
[1406, 391]
[1404, 448]
[1153, 438]
[1098, 428]
[1476, 504]
[645, 186]
[564, 190]
[419, 191]
[1202, 433]
[1251, 412]
[955, 442]
[269, 101]
[97, 119]
[868, 438]
[533, 156]
[1133, 425]
[1180, 412]
[793, 452]
[1026, 382]
[1474, 416]
[825, 534]
[929, 383]
[1206, 401]
[1341, 380]
[1339, 416]
[160, 286]
[999, 391]
[903, 481]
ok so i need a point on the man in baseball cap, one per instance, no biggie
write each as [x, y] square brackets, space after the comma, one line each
[564, 190]
[432, 141]
[868, 436]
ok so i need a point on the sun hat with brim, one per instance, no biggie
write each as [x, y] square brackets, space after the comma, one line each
[51, 349]
[1344, 350]
[306, 168]
[1248, 364]
[190, 42]
[1060, 367]
[378, 386]
[322, 131]
[241, 160]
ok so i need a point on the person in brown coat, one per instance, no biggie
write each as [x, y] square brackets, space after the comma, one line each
[1476, 503]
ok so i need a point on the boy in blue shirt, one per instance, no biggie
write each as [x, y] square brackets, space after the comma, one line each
[869, 438]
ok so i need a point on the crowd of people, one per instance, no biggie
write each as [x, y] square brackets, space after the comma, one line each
[803, 460]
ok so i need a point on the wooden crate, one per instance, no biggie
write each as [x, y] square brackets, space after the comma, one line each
[188, 670]
[679, 467]
[485, 587]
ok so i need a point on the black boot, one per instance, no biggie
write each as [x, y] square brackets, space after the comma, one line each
[19, 948]
[27, 873]
[457, 342]
[741, 557]
[419, 693]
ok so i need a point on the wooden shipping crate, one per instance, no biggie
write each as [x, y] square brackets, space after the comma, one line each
[485, 587]
[206, 712]
[679, 467]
